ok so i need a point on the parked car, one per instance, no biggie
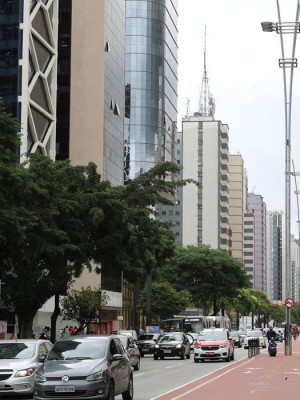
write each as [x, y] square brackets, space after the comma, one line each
[236, 338]
[214, 344]
[255, 334]
[132, 351]
[242, 334]
[91, 367]
[146, 343]
[19, 361]
[173, 344]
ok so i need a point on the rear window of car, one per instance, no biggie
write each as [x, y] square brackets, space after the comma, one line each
[78, 349]
[172, 337]
[146, 337]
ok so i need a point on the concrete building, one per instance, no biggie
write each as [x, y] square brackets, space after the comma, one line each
[257, 205]
[63, 70]
[295, 268]
[237, 203]
[205, 158]
[275, 254]
[249, 255]
[151, 84]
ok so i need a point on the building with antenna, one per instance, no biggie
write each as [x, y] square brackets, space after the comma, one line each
[205, 158]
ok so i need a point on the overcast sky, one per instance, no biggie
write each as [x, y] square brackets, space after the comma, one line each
[247, 84]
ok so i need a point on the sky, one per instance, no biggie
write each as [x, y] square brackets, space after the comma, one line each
[247, 84]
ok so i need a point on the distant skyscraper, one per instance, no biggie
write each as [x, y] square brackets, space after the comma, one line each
[151, 84]
[257, 205]
[249, 231]
[237, 203]
[274, 260]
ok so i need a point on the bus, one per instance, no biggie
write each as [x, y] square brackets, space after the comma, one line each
[194, 324]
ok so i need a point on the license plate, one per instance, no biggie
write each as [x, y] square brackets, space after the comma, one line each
[209, 353]
[64, 389]
[145, 350]
[167, 351]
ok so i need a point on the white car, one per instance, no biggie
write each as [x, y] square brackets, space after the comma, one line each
[19, 361]
[255, 335]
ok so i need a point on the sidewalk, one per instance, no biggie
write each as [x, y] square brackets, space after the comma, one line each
[256, 378]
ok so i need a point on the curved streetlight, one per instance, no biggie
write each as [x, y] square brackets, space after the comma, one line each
[287, 63]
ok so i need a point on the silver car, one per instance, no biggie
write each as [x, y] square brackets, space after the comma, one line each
[19, 361]
[90, 367]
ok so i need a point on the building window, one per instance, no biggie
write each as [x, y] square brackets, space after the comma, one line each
[163, 213]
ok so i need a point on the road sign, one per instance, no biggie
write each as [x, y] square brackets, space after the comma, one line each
[289, 303]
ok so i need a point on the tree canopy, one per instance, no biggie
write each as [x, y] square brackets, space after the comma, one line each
[211, 276]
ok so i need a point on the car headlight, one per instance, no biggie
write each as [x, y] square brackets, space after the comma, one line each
[222, 346]
[157, 346]
[24, 372]
[95, 377]
[40, 378]
[179, 346]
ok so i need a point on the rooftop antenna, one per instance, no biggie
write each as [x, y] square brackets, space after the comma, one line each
[207, 102]
[187, 107]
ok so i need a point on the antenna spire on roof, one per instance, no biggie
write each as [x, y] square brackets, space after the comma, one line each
[207, 102]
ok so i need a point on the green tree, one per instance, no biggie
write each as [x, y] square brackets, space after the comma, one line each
[83, 305]
[167, 301]
[211, 276]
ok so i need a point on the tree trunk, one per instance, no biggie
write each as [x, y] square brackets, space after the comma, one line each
[215, 310]
[25, 321]
[148, 299]
[54, 316]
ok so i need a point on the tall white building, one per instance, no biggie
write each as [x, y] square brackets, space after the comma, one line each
[205, 158]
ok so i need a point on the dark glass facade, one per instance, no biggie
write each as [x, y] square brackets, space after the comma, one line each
[114, 92]
[151, 73]
[63, 80]
[11, 12]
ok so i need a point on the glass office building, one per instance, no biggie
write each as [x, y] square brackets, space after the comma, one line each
[151, 84]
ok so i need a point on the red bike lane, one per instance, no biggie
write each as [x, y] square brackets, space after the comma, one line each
[248, 379]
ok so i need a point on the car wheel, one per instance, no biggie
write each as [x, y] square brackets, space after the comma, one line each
[227, 359]
[142, 354]
[128, 395]
[232, 356]
[188, 356]
[162, 357]
[111, 391]
[196, 360]
[155, 357]
[182, 355]
[137, 365]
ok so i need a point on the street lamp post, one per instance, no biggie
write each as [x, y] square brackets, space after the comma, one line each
[287, 63]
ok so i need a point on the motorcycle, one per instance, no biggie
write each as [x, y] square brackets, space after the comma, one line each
[272, 349]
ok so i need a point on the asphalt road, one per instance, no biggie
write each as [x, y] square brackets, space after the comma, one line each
[158, 377]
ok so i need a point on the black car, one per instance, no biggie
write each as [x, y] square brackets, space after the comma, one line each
[146, 343]
[85, 367]
[236, 338]
[173, 344]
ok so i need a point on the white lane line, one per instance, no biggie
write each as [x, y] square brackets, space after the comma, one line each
[202, 384]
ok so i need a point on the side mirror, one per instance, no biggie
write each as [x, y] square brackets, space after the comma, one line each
[117, 357]
[42, 358]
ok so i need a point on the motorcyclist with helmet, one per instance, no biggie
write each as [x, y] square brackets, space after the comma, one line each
[271, 334]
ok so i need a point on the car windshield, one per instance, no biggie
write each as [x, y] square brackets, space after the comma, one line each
[254, 334]
[171, 338]
[17, 350]
[146, 337]
[78, 349]
[212, 335]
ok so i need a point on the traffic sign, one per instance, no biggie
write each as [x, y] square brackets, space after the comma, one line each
[289, 303]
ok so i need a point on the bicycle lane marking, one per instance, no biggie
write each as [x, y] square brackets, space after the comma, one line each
[165, 395]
